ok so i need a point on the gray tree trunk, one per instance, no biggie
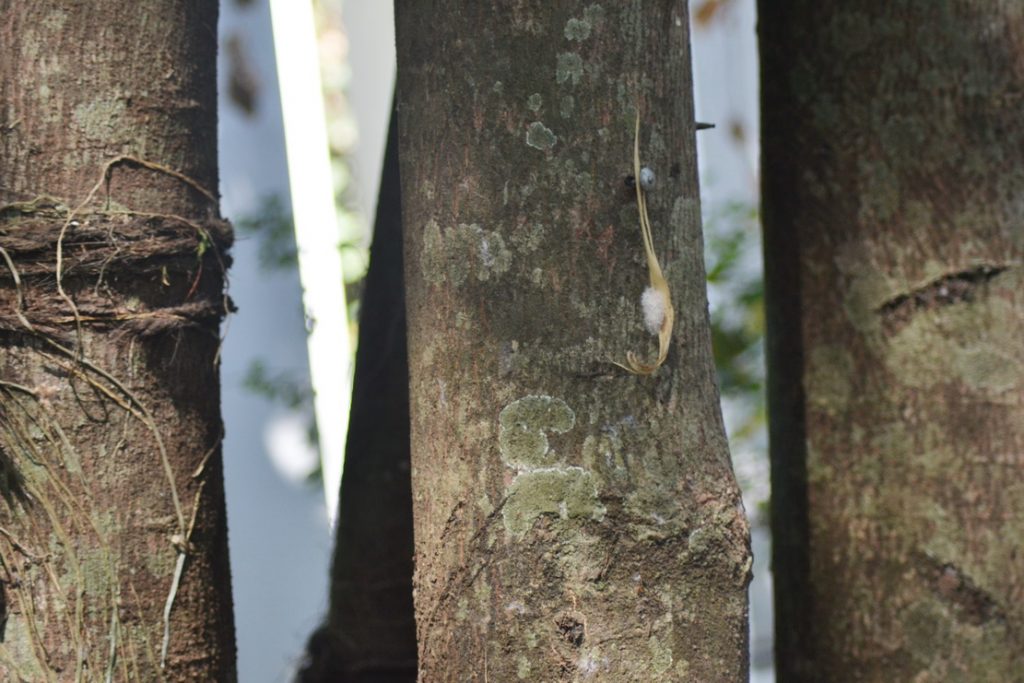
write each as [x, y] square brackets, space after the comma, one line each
[893, 171]
[113, 548]
[572, 520]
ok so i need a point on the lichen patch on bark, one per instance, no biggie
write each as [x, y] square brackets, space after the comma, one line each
[462, 251]
[545, 484]
[524, 425]
[540, 136]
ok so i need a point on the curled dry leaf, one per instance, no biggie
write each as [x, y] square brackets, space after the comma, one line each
[658, 282]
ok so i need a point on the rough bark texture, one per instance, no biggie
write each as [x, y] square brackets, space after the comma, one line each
[573, 521]
[894, 159]
[370, 633]
[110, 469]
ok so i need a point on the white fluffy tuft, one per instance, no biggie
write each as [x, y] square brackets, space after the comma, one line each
[654, 305]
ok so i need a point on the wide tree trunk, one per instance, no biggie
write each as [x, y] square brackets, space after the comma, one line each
[113, 546]
[572, 520]
[894, 161]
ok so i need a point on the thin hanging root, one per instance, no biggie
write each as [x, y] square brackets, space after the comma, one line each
[129, 402]
[179, 569]
[658, 282]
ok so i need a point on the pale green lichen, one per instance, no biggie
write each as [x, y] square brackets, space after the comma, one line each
[545, 484]
[540, 136]
[495, 258]
[972, 349]
[55, 20]
[868, 290]
[566, 491]
[484, 504]
[19, 650]
[661, 655]
[567, 106]
[460, 251]
[593, 14]
[701, 540]
[100, 118]
[577, 29]
[523, 667]
[573, 181]
[569, 68]
[947, 649]
[432, 256]
[989, 368]
[523, 427]
[528, 239]
[682, 669]
[535, 102]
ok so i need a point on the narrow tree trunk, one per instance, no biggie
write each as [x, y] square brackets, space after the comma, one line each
[572, 520]
[113, 548]
[893, 168]
[370, 635]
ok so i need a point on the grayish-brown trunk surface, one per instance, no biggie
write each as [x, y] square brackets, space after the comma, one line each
[572, 521]
[894, 162]
[111, 276]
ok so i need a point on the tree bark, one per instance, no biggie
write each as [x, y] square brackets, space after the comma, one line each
[113, 543]
[572, 520]
[370, 633]
[893, 165]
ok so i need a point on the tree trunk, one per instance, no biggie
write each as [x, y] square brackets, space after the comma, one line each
[572, 519]
[370, 635]
[113, 546]
[893, 166]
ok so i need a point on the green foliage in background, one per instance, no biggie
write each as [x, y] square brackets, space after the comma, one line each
[736, 295]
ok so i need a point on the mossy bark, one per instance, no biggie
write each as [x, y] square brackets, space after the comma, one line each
[572, 520]
[893, 163]
[113, 544]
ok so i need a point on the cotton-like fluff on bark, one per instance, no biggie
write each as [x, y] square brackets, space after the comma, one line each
[654, 305]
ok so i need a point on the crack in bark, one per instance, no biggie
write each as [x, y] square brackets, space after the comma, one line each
[944, 291]
[571, 630]
[952, 585]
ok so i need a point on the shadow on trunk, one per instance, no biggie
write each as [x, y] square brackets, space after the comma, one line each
[369, 635]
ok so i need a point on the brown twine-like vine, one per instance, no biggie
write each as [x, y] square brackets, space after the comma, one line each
[97, 244]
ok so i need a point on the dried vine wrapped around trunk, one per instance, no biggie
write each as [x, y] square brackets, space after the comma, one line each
[113, 556]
